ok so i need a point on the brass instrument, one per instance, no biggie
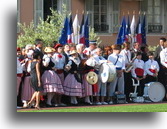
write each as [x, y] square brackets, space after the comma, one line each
[129, 67]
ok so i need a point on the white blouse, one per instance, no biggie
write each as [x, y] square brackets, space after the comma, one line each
[59, 60]
[163, 57]
[126, 55]
[151, 64]
[19, 67]
[137, 64]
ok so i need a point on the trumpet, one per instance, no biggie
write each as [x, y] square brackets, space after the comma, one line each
[129, 67]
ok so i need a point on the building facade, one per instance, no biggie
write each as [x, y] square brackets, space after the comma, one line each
[104, 15]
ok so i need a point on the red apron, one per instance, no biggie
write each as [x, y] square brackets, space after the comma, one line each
[139, 72]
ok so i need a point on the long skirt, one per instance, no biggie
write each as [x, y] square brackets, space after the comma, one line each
[61, 76]
[51, 82]
[72, 87]
[27, 90]
[87, 88]
[18, 84]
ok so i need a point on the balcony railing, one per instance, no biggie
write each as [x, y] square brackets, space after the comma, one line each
[155, 28]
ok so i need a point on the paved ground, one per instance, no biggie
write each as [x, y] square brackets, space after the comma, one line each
[83, 106]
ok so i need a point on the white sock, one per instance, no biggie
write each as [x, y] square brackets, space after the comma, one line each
[72, 100]
[49, 98]
[87, 99]
[75, 100]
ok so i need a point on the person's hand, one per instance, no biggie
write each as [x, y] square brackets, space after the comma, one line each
[109, 61]
[137, 78]
[39, 83]
[54, 69]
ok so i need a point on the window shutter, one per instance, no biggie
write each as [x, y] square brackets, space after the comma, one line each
[18, 15]
[38, 7]
[115, 16]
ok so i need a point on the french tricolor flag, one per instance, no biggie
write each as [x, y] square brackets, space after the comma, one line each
[139, 32]
[82, 31]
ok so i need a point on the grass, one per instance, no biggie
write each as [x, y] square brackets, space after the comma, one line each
[124, 108]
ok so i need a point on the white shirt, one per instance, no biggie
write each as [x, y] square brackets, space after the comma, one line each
[88, 52]
[59, 61]
[77, 61]
[19, 67]
[46, 60]
[151, 64]
[137, 64]
[117, 60]
[163, 57]
[99, 60]
[126, 55]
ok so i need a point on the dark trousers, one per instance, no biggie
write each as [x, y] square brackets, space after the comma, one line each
[128, 85]
[150, 79]
[165, 80]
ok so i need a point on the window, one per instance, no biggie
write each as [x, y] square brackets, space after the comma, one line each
[103, 15]
[38, 7]
[155, 15]
[18, 15]
[56, 5]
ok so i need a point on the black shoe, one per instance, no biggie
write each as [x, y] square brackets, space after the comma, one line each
[48, 105]
[86, 103]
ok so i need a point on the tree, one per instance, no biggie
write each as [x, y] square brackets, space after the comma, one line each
[48, 30]
[93, 36]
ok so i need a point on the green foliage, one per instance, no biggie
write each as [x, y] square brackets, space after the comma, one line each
[152, 48]
[93, 36]
[48, 30]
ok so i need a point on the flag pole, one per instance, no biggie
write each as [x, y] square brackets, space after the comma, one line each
[77, 29]
[133, 35]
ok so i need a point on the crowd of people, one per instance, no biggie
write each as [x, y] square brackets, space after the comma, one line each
[56, 76]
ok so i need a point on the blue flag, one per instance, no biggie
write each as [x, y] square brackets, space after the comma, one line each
[127, 31]
[63, 38]
[86, 32]
[143, 30]
[122, 32]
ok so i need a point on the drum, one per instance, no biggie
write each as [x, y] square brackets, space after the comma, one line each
[107, 72]
[91, 62]
[154, 91]
[92, 78]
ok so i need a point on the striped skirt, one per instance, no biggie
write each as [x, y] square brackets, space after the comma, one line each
[51, 82]
[87, 88]
[72, 87]
[27, 90]
[61, 76]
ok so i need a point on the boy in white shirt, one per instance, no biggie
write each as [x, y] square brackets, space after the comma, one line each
[119, 63]
[152, 68]
[138, 72]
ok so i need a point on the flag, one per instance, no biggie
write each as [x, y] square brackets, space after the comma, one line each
[138, 32]
[71, 28]
[127, 31]
[143, 29]
[69, 34]
[121, 34]
[133, 29]
[70, 23]
[82, 31]
[63, 37]
[76, 28]
[86, 31]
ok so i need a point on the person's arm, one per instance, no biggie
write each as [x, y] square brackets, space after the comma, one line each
[38, 74]
[146, 69]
